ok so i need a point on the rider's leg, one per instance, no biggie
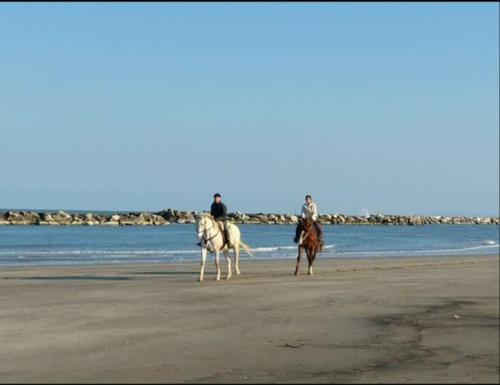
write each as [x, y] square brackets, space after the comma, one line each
[301, 237]
[226, 232]
[319, 231]
[298, 230]
[222, 230]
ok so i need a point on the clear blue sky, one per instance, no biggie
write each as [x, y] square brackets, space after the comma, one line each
[390, 108]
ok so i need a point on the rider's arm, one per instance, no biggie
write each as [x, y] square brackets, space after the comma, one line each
[304, 211]
[315, 211]
[224, 210]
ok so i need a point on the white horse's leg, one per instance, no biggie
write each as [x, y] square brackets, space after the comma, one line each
[202, 267]
[217, 265]
[228, 260]
[236, 249]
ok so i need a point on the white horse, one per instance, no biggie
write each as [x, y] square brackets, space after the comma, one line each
[211, 239]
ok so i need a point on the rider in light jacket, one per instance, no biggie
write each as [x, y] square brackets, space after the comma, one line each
[310, 211]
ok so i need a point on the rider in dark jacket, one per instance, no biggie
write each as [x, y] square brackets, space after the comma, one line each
[219, 211]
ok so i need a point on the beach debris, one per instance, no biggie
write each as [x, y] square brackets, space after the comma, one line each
[456, 316]
[287, 345]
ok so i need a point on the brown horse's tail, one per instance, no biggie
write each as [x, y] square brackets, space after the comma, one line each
[247, 248]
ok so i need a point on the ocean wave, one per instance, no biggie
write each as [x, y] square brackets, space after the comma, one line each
[161, 256]
[419, 252]
[132, 252]
[90, 252]
[277, 248]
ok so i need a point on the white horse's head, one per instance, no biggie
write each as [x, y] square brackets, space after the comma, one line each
[202, 224]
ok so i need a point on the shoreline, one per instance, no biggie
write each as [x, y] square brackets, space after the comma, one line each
[432, 319]
[250, 260]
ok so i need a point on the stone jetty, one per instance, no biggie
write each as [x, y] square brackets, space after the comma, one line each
[168, 216]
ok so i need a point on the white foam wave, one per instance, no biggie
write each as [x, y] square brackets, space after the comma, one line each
[277, 248]
[92, 252]
[159, 256]
[418, 252]
[129, 252]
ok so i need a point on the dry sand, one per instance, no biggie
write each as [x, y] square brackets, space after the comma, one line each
[368, 320]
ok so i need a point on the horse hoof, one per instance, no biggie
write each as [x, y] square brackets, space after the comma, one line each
[199, 280]
[217, 278]
[228, 277]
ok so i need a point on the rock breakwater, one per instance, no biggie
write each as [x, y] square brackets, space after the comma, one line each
[168, 216]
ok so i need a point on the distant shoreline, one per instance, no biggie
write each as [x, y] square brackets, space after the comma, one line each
[168, 216]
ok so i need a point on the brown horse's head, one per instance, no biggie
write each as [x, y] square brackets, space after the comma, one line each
[307, 224]
[310, 232]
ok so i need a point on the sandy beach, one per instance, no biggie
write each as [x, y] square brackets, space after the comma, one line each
[426, 319]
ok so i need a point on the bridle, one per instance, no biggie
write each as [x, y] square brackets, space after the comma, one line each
[205, 230]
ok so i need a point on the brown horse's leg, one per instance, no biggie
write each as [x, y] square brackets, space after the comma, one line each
[298, 261]
[310, 260]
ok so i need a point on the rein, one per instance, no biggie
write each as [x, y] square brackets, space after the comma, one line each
[209, 239]
[212, 237]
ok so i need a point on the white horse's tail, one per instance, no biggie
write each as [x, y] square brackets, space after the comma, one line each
[247, 248]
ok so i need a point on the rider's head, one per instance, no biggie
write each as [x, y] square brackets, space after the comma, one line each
[217, 198]
[309, 199]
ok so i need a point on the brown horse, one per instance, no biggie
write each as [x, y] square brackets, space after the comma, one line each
[310, 243]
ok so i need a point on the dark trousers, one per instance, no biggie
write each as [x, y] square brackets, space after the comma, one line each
[298, 230]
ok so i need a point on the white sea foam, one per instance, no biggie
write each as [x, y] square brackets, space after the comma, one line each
[418, 252]
[68, 257]
[277, 248]
[130, 252]
[92, 252]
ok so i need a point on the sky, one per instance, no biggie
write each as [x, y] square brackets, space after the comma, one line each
[369, 107]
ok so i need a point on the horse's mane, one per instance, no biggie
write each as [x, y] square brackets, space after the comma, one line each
[307, 221]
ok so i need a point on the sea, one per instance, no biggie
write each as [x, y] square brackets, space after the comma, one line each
[89, 245]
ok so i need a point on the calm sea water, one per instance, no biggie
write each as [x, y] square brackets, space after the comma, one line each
[47, 245]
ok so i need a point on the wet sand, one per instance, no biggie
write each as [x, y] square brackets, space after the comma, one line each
[427, 319]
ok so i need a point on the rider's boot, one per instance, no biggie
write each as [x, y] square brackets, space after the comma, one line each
[299, 243]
